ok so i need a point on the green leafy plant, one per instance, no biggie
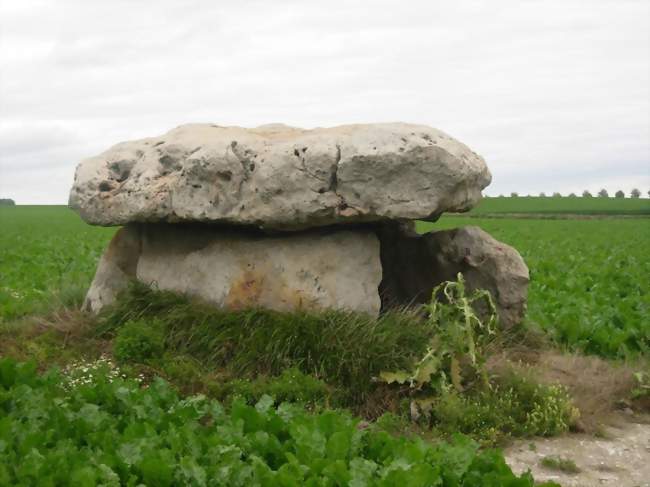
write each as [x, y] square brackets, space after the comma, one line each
[458, 336]
[115, 433]
[139, 340]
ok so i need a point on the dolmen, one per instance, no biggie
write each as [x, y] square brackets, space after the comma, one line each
[292, 219]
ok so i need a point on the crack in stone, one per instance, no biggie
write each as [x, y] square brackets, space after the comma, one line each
[334, 180]
[331, 180]
[243, 160]
[245, 164]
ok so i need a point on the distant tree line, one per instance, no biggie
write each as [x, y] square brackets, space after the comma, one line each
[635, 193]
[7, 202]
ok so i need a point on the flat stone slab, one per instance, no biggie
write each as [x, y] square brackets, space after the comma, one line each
[279, 177]
[234, 270]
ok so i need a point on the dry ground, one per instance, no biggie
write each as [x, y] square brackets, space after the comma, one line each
[599, 388]
[620, 458]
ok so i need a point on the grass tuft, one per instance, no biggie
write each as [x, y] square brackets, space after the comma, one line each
[560, 464]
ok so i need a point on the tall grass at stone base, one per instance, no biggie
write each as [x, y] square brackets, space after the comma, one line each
[344, 349]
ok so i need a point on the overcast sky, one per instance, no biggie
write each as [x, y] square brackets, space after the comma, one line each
[553, 93]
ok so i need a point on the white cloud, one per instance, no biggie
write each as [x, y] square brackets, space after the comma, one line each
[553, 93]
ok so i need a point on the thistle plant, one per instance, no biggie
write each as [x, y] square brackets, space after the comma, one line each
[458, 338]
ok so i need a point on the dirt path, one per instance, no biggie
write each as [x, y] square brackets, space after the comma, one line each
[620, 459]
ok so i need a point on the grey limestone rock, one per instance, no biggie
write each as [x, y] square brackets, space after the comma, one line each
[233, 269]
[279, 177]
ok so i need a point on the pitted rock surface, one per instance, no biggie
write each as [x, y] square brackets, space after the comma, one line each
[279, 177]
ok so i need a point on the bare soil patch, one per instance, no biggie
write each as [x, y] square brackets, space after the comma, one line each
[619, 457]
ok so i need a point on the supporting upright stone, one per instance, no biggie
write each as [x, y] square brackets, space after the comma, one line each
[234, 269]
[117, 266]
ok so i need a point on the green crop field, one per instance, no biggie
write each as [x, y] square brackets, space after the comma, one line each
[101, 421]
[112, 432]
[590, 285]
[560, 206]
[46, 253]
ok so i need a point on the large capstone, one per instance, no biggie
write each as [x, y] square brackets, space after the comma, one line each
[279, 177]
[236, 269]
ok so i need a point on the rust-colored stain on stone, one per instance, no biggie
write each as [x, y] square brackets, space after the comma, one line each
[262, 286]
[246, 290]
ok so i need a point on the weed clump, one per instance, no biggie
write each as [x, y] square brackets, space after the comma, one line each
[516, 407]
[455, 352]
[561, 464]
[139, 341]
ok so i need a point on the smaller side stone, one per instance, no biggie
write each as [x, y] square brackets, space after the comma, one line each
[116, 268]
[414, 264]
